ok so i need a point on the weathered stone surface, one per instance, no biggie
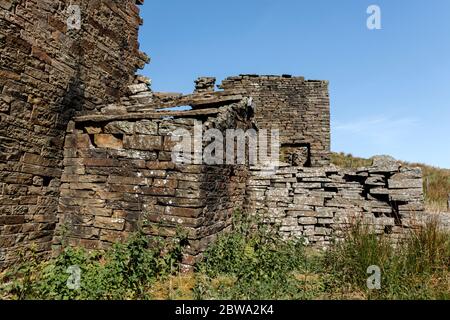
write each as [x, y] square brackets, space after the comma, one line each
[93, 130]
[77, 91]
[384, 164]
[307, 220]
[143, 142]
[120, 127]
[406, 195]
[146, 127]
[108, 141]
[138, 88]
[324, 199]
[109, 223]
[405, 183]
[306, 200]
[376, 180]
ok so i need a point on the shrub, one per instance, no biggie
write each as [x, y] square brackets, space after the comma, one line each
[124, 272]
[250, 262]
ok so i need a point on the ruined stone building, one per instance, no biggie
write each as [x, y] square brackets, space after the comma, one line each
[85, 144]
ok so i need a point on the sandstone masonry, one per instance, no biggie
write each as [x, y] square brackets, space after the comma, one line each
[119, 176]
[48, 72]
[85, 145]
[299, 108]
[319, 204]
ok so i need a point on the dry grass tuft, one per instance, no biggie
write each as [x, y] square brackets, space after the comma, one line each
[177, 287]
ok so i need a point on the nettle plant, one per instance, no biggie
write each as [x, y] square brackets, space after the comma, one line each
[125, 271]
[250, 262]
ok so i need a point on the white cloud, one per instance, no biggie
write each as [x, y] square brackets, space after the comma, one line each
[369, 124]
[376, 130]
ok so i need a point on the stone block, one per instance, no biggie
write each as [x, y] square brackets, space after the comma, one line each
[406, 195]
[113, 236]
[84, 232]
[128, 180]
[323, 212]
[108, 141]
[412, 206]
[146, 127]
[309, 201]
[160, 165]
[138, 88]
[325, 220]
[307, 185]
[109, 223]
[93, 130]
[143, 142]
[120, 127]
[307, 221]
[376, 180]
[322, 231]
[77, 141]
[405, 183]
[183, 212]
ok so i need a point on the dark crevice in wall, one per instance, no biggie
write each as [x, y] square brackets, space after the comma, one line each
[46, 181]
[297, 154]
[396, 212]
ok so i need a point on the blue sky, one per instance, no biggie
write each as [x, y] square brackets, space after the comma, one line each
[389, 88]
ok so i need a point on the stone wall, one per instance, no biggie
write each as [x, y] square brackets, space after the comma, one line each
[48, 71]
[299, 108]
[119, 177]
[320, 203]
[85, 145]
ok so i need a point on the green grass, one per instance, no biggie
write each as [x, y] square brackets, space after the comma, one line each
[436, 181]
[417, 268]
[249, 262]
[349, 161]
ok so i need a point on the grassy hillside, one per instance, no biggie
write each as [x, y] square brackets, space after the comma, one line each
[436, 180]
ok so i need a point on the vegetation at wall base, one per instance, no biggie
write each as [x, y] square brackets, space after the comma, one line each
[249, 262]
[416, 268]
[126, 271]
[252, 262]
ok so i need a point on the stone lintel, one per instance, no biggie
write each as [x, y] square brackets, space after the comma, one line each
[145, 115]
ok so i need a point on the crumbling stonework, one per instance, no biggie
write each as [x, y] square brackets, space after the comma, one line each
[318, 204]
[299, 108]
[120, 177]
[205, 84]
[86, 145]
[47, 72]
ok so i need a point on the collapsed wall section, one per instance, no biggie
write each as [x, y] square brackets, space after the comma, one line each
[299, 108]
[120, 177]
[318, 204]
[49, 70]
